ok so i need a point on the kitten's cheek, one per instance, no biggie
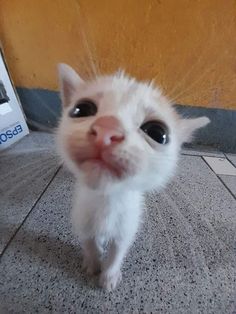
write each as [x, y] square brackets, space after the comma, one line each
[72, 149]
[73, 154]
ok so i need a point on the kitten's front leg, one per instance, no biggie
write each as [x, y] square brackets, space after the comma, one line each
[92, 251]
[111, 269]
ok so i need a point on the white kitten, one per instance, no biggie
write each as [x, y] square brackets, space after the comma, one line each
[120, 138]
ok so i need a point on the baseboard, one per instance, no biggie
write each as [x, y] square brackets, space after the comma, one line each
[42, 108]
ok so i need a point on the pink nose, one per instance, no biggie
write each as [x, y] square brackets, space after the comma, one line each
[106, 131]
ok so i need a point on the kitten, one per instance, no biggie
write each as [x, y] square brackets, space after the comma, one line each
[119, 138]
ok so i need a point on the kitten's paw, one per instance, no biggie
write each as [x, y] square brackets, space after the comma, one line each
[110, 281]
[91, 267]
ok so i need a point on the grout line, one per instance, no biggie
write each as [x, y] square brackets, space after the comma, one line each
[34, 205]
[230, 161]
[203, 154]
[226, 187]
[218, 176]
[208, 165]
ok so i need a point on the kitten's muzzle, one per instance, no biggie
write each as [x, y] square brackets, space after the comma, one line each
[106, 131]
[102, 151]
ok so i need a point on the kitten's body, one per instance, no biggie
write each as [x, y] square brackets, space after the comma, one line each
[114, 160]
[106, 218]
[116, 210]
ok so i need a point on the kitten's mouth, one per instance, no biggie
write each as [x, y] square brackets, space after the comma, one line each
[95, 163]
[103, 163]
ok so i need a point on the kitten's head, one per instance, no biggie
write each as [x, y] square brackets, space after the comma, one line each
[115, 131]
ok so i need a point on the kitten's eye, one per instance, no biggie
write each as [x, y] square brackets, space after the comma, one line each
[84, 108]
[157, 131]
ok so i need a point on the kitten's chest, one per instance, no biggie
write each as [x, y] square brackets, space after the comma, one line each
[103, 217]
[106, 219]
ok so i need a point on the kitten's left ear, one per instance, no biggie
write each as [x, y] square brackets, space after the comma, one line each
[69, 81]
[189, 126]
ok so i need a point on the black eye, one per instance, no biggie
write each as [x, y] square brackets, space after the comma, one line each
[157, 130]
[84, 108]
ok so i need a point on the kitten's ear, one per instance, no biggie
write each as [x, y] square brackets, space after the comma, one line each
[69, 81]
[189, 126]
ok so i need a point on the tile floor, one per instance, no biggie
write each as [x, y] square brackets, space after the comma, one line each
[183, 260]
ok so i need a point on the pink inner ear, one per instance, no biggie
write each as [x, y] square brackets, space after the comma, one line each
[67, 93]
[69, 82]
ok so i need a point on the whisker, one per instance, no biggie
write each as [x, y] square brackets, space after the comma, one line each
[91, 47]
[22, 151]
[19, 169]
[203, 74]
[88, 71]
[40, 126]
[23, 177]
[45, 105]
[203, 64]
[191, 86]
[86, 43]
[18, 184]
[192, 67]
[26, 169]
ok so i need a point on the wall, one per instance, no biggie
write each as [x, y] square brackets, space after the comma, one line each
[189, 46]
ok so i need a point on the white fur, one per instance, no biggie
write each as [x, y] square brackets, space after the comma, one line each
[105, 209]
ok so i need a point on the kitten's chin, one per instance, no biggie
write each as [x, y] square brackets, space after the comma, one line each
[102, 168]
[99, 174]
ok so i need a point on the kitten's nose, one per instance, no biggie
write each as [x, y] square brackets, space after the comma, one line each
[106, 131]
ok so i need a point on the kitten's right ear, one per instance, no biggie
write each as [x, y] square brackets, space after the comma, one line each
[69, 81]
[188, 126]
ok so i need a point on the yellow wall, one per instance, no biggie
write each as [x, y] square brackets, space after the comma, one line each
[189, 46]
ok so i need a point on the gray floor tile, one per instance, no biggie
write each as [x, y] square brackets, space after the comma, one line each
[221, 166]
[183, 260]
[230, 182]
[25, 170]
[31, 143]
